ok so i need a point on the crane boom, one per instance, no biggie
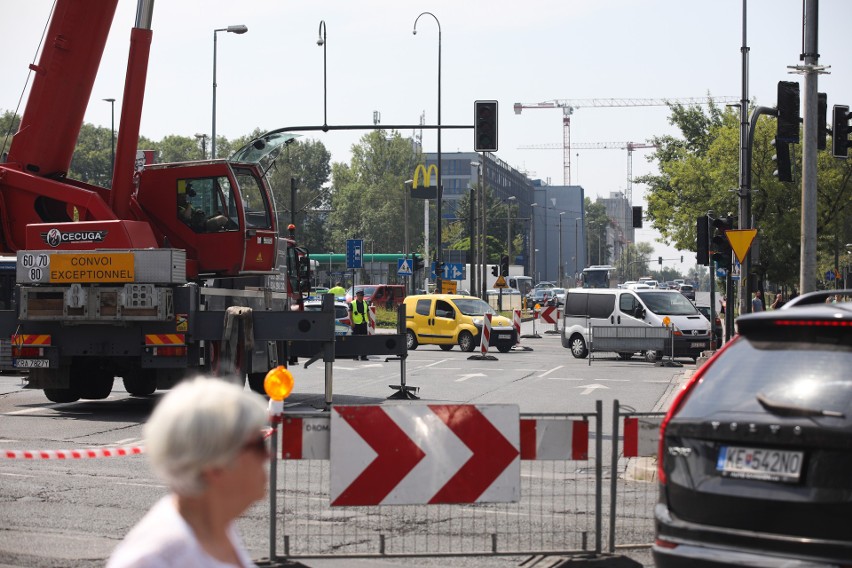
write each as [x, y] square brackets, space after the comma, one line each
[569, 105]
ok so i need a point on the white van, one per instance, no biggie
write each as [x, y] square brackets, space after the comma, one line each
[615, 307]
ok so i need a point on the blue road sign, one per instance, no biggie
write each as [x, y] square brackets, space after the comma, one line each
[452, 271]
[403, 267]
[354, 247]
[829, 275]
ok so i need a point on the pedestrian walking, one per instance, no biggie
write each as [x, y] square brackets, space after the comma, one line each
[757, 302]
[359, 317]
[205, 440]
[779, 301]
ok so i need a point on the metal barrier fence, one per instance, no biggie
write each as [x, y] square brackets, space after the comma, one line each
[630, 339]
[633, 479]
[559, 512]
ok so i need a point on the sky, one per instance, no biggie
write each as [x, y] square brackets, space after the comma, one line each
[529, 52]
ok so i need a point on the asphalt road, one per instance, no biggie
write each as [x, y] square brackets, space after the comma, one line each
[73, 512]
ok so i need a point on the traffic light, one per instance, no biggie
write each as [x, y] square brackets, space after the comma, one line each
[822, 106]
[494, 270]
[439, 269]
[788, 112]
[485, 126]
[660, 260]
[719, 245]
[840, 131]
[702, 255]
[418, 262]
[637, 216]
[783, 165]
[504, 265]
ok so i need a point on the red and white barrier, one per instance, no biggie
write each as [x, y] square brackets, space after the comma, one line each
[641, 436]
[516, 323]
[72, 454]
[554, 439]
[486, 334]
[371, 320]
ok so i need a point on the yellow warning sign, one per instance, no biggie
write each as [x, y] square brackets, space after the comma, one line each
[501, 282]
[449, 286]
[740, 240]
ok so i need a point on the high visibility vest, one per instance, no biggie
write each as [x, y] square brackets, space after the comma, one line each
[358, 317]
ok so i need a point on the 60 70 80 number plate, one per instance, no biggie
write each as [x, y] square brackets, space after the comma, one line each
[760, 463]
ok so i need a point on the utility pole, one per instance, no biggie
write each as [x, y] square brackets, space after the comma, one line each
[811, 70]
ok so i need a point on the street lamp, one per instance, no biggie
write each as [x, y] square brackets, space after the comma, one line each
[439, 252]
[112, 139]
[561, 265]
[322, 41]
[234, 30]
[203, 139]
[509, 227]
[533, 250]
[576, 250]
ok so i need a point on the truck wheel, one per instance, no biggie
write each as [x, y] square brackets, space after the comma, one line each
[578, 347]
[255, 381]
[410, 340]
[142, 382]
[466, 342]
[61, 395]
[446, 346]
[90, 380]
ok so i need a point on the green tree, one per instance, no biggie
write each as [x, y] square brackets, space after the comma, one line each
[9, 122]
[367, 194]
[699, 170]
[597, 223]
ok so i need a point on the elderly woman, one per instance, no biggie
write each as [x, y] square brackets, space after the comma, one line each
[205, 440]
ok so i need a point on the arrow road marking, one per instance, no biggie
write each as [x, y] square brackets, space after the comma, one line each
[466, 377]
[588, 389]
[396, 455]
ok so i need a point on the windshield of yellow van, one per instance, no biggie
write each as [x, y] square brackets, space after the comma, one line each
[474, 307]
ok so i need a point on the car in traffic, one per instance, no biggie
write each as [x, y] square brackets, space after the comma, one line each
[450, 319]
[716, 324]
[754, 460]
[384, 295]
[341, 315]
[688, 291]
[542, 297]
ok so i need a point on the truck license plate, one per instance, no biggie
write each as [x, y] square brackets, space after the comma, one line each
[760, 463]
[31, 363]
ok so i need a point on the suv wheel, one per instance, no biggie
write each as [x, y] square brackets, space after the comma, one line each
[578, 347]
[466, 341]
[410, 340]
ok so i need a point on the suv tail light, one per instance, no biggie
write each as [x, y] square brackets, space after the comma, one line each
[675, 406]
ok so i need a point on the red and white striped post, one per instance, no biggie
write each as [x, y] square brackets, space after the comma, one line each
[486, 334]
[516, 322]
[371, 320]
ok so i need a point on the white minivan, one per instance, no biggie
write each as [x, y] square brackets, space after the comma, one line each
[586, 307]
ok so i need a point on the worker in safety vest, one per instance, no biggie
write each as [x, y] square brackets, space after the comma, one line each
[358, 316]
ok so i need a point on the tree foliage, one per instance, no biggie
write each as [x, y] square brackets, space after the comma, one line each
[699, 172]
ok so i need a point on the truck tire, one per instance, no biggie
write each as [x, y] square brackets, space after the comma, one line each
[141, 382]
[61, 395]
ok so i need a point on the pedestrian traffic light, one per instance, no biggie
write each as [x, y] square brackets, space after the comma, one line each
[783, 165]
[720, 246]
[702, 255]
[494, 270]
[485, 126]
[840, 131]
[788, 112]
[418, 262]
[504, 265]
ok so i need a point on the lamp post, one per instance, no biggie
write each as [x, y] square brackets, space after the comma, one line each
[576, 249]
[112, 138]
[561, 264]
[533, 250]
[322, 41]
[509, 227]
[438, 248]
[330, 281]
[203, 139]
[234, 30]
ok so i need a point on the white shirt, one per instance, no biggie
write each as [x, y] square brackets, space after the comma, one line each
[163, 539]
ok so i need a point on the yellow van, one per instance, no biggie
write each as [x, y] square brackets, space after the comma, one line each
[450, 319]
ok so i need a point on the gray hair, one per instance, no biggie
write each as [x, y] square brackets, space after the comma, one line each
[200, 424]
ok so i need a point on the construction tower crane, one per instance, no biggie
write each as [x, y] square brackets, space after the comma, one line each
[629, 146]
[569, 105]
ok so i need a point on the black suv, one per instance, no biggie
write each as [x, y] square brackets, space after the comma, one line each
[755, 457]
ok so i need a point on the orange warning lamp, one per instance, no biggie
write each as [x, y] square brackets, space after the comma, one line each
[278, 383]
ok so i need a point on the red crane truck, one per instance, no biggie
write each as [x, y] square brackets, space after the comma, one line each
[177, 269]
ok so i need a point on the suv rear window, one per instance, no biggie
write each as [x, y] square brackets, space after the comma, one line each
[805, 369]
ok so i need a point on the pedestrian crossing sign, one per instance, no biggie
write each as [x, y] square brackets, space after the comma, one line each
[404, 267]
